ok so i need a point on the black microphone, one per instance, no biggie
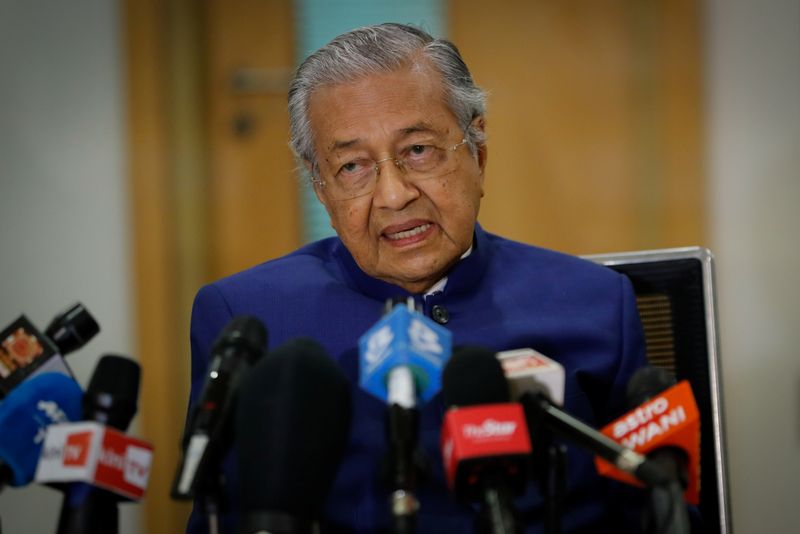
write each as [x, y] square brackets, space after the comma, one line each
[72, 328]
[110, 399]
[666, 510]
[209, 432]
[541, 411]
[292, 427]
[485, 440]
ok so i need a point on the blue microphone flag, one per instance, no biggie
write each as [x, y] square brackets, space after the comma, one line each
[404, 338]
[25, 414]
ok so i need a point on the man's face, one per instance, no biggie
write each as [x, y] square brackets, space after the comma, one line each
[405, 233]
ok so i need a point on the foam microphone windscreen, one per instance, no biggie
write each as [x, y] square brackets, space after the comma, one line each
[646, 383]
[474, 376]
[292, 426]
[113, 392]
[244, 335]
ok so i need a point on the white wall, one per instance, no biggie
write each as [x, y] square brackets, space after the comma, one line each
[63, 207]
[753, 105]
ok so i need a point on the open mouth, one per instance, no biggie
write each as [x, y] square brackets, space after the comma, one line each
[411, 232]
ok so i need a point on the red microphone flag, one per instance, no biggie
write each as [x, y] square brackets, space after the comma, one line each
[482, 431]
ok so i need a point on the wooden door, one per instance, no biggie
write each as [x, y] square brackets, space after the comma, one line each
[253, 199]
[212, 186]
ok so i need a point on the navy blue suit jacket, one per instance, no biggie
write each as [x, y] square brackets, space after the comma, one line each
[504, 295]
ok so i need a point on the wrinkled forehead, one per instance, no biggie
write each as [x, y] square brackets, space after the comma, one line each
[380, 106]
[416, 69]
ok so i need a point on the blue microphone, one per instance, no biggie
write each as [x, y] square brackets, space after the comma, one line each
[401, 362]
[25, 414]
[403, 355]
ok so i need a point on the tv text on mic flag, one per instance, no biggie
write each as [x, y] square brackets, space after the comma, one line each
[98, 455]
[485, 441]
[110, 400]
[670, 419]
[485, 431]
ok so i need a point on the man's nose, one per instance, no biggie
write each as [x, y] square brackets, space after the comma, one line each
[393, 189]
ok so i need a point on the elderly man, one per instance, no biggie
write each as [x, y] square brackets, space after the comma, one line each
[390, 127]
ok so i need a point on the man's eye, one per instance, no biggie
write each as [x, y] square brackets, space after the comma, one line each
[419, 152]
[353, 167]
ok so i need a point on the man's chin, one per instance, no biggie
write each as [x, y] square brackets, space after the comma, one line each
[413, 277]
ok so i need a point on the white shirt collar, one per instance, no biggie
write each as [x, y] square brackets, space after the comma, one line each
[439, 286]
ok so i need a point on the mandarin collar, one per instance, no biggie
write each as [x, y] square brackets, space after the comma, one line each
[461, 277]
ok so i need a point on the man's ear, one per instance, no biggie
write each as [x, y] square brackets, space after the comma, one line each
[316, 186]
[481, 149]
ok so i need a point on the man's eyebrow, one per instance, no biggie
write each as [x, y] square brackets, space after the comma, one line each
[422, 127]
[338, 145]
[419, 127]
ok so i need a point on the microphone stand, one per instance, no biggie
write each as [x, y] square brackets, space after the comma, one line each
[668, 515]
[210, 495]
[561, 423]
[555, 487]
[497, 515]
[402, 477]
[549, 467]
[666, 511]
[89, 510]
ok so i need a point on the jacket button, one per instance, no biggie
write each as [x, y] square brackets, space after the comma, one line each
[440, 314]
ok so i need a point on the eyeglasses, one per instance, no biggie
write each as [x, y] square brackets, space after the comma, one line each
[358, 177]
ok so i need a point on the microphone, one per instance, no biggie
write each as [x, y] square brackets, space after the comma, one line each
[95, 455]
[292, 426]
[541, 410]
[401, 360]
[208, 431]
[110, 399]
[40, 401]
[485, 441]
[670, 419]
[26, 352]
[72, 328]
[665, 425]
[528, 370]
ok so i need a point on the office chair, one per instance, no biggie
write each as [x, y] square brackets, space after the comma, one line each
[675, 296]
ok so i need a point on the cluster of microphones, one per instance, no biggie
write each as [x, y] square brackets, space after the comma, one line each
[502, 412]
[503, 415]
[54, 433]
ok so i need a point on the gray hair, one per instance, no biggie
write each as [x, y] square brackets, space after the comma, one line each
[377, 49]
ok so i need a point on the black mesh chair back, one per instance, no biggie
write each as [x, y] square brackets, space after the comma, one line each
[676, 301]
